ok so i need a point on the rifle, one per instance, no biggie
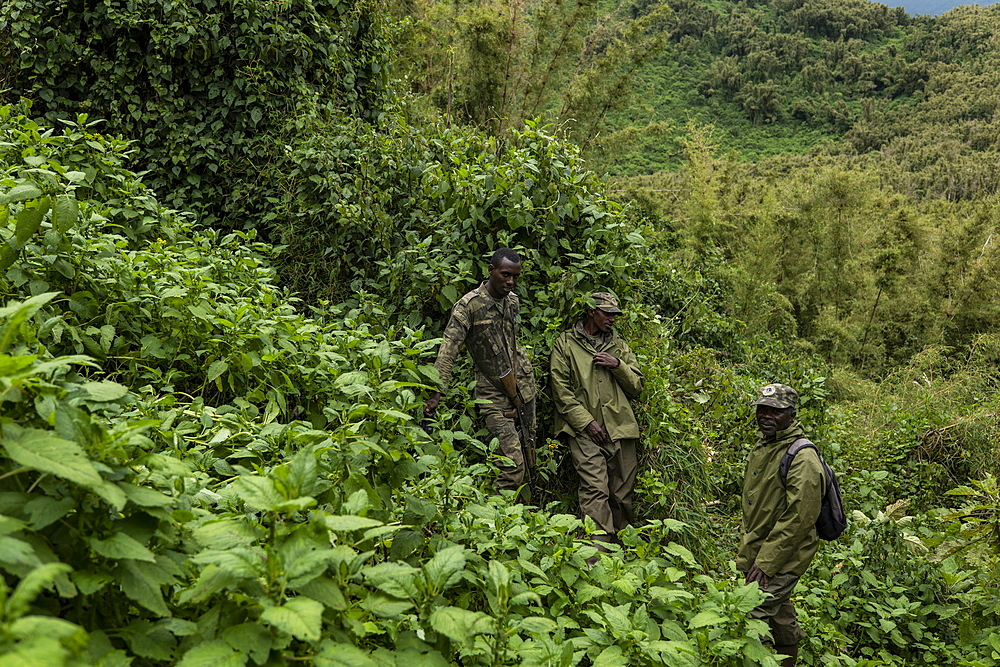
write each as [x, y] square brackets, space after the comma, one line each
[509, 383]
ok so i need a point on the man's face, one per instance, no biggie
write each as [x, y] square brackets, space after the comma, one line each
[503, 278]
[602, 321]
[771, 420]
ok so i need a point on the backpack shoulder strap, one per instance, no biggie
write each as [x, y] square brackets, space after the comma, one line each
[786, 459]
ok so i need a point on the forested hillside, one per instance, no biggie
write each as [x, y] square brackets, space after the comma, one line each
[232, 230]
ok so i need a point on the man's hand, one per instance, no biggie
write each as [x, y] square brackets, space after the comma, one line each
[758, 575]
[597, 433]
[605, 360]
[431, 404]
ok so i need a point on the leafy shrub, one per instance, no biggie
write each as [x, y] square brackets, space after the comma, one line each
[413, 213]
[183, 515]
[209, 87]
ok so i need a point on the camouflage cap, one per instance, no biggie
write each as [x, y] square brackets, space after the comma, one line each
[607, 302]
[777, 396]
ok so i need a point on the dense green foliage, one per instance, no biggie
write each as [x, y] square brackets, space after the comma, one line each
[212, 88]
[170, 510]
[201, 466]
[411, 213]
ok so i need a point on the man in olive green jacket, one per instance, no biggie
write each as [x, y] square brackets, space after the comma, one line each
[594, 374]
[779, 521]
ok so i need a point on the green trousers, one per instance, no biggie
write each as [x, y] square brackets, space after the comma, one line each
[779, 612]
[607, 477]
[504, 429]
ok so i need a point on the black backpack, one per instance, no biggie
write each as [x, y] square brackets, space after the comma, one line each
[832, 521]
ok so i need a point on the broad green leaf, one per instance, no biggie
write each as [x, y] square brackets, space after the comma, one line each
[226, 533]
[37, 652]
[216, 370]
[748, 597]
[325, 590]
[145, 497]
[115, 658]
[121, 545]
[445, 568]
[46, 510]
[352, 378]
[683, 552]
[10, 525]
[348, 522]
[140, 584]
[538, 624]
[14, 315]
[395, 579]
[298, 477]
[300, 617]
[30, 586]
[258, 492]
[704, 618]
[28, 221]
[46, 452]
[611, 657]
[302, 567]
[333, 654]
[65, 211]
[20, 192]
[212, 580]
[17, 554]
[461, 625]
[588, 592]
[618, 618]
[386, 606]
[215, 653]
[104, 391]
[46, 626]
[240, 562]
[251, 638]
[111, 494]
[150, 641]
[89, 583]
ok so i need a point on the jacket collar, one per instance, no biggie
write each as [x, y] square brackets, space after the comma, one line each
[484, 291]
[785, 437]
[592, 343]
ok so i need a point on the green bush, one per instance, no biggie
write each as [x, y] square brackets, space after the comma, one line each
[212, 88]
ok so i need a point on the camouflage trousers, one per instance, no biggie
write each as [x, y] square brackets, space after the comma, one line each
[502, 426]
[779, 612]
[607, 476]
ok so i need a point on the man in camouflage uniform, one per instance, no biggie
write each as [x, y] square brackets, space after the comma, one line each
[779, 522]
[594, 374]
[486, 320]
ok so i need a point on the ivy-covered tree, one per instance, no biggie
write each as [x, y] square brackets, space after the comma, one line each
[212, 88]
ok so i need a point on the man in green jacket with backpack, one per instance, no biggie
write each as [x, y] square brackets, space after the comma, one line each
[779, 536]
[594, 376]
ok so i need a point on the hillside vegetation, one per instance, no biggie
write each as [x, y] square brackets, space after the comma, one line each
[231, 232]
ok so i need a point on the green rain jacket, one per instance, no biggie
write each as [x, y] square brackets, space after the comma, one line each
[779, 522]
[584, 392]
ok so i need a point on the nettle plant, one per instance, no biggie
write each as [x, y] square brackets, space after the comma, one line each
[193, 473]
[171, 531]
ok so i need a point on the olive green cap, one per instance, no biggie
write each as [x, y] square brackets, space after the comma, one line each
[607, 302]
[777, 396]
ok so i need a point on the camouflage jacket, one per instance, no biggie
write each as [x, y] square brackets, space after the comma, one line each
[488, 328]
[779, 522]
[584, 392]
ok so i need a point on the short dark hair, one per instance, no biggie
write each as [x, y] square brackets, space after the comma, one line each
[505, 253]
